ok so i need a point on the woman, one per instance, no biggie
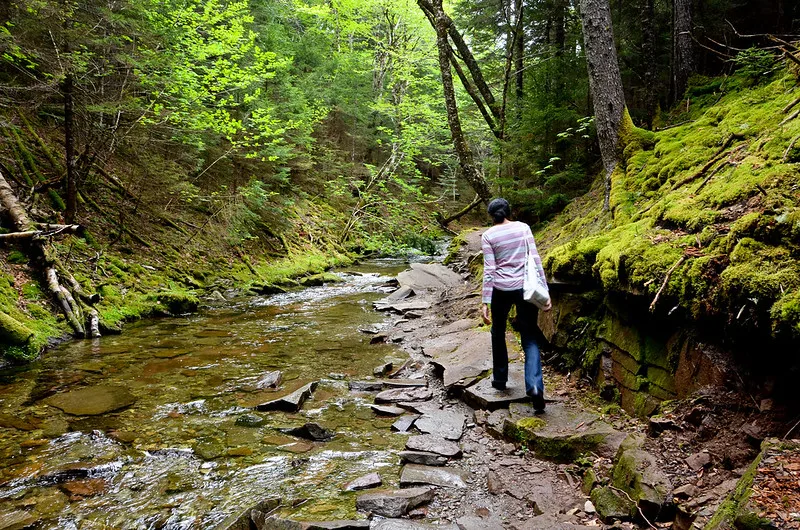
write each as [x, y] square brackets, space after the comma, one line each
[505, 251]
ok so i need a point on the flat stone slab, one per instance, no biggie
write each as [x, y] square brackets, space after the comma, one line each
[387, 410]
[423, 458]
[403, 306]
[405, 383]
[483, 396]
[469, 360]
[93, 400]
[429, 276]
[366, 386]
[447, 424]
[562, 433]
[446, 477]
[291, 402]
[373, 480]
[398, 395]
[393, 503]
[430, 443]
[404, 423]
[17, 520]
[269, 380]
[405, 524]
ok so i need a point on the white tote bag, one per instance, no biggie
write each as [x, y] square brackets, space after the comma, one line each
[533, 290]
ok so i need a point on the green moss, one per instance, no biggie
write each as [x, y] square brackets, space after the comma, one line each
[737, 500]
[611, 505]
[176, 302]
[17, 257]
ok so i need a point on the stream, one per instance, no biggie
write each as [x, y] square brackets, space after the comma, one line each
[190, 451]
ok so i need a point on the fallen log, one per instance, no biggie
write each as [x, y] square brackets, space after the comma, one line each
[50, 231]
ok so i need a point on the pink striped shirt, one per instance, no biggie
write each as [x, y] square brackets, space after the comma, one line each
[505, 249]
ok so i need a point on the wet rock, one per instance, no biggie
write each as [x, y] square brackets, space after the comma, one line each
[423, 458]
[398, 395]
[49, 502]
[429, 276]
[447, 424]
[17, 520]
[611, 505]
[249, 420]
[698, 461]
[404, 524]
[562, 434]
[393, 503]
[467, 358]
[296, 447]
[93, 400]
[209, 449]
[447, 477]
[269, 380]
[483, 396]
[291, 402]
[237, 452]
[373, 480]
[310, 431]
[54, 427]
[405, 383]
[387, 410]
[430, 443]
[242, 520]
[80, 489]
[637, 473]
[124, 437]
[366, 386]
[382, 370]
[404, 423]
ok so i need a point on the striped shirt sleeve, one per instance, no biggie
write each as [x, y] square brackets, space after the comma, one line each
[488, 270]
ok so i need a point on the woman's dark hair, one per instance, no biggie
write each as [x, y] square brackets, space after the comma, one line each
[500, 210]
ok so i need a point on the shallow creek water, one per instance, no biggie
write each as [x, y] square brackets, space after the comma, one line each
[177, 458]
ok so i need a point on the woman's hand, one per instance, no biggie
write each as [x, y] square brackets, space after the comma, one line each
[485, 314]
[549, 306]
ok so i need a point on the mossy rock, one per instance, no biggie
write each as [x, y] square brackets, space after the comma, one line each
[611, 504]
[637, 473]
[178, 303]
[563, 434]
[320, 279]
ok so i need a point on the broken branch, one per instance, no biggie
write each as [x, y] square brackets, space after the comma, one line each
[666, 279]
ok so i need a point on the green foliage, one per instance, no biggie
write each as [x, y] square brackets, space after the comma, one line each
[17, 257]
[754, 64]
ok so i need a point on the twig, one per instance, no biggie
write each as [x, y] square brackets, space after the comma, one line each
[790, 430]
[673, 125]
[666, 279]
[710, 175]
[790, 117]
[789, 147]
[716, 158]
[646, 520]
[788, 107]
[790, 56]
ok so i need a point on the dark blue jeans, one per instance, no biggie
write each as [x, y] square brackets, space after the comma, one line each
[527, 314]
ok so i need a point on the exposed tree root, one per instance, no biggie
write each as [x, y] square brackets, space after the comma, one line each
[74, 303]
[714, 159]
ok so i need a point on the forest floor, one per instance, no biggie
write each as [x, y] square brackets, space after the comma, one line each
[703, 445]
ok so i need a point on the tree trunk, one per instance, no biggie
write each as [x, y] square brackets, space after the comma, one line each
[465, 158]
[682, 52]
[69, 143]
[519, 52]
[605, 82]
[649, 58]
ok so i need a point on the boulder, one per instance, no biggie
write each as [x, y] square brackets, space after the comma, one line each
[429, 276]
[310, 431]
[637, 473]
[92, 401]
[398, 395]
[611, 505]
[447, 424]
[393, 503]
[292, 402]
[430, 443]
[423, 458]
[373, 480]
[320, 279]
[447, 477]
[562, 434]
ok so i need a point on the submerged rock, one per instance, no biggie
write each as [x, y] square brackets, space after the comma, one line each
[92, 401]
[310, 431]
[430, 443]
[17, 520]
[393, 503]
[373, 480]
[415, 474]
[242, 520]
[250, 420]
[291, 402]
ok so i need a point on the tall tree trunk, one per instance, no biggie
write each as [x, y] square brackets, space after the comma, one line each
[519, 51]
[682, 49]
[69, 143]
[649, 58]
[465, 157]
[605, 82]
